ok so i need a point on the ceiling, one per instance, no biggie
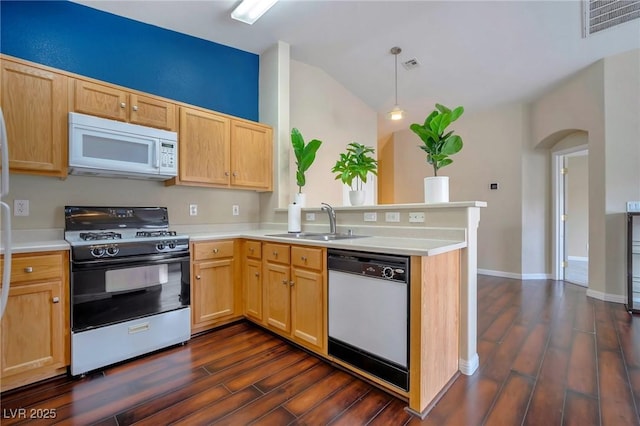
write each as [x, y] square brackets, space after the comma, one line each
[478, 54]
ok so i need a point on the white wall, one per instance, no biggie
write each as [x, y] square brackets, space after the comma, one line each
[323, 109]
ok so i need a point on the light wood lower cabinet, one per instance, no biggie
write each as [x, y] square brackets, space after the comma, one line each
[35, 325]
[295, 293]
[252, 280]
[215, 285]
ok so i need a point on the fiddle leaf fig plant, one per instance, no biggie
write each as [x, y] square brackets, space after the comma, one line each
[355, 164]
[305, 155]
[436, 143]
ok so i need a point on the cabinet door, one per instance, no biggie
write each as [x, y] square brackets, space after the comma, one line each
[253, 289]
[251, 155]
[277, 296]
[203, 147]
[103, 101]
[33, 328]
[152, 112]
[307, 315]
[213, 297]
[35, 107]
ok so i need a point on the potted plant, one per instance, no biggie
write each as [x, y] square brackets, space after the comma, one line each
[439, 146]
[352, 169]
[305, 155]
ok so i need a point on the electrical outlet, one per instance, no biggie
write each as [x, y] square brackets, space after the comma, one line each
[21, 207]
[416, 217]
[193, 210]
[370, 216]
[633, 206]
[310, 217]
[235, 209]
[392, 217]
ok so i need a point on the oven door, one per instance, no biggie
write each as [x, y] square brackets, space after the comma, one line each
[112, 292]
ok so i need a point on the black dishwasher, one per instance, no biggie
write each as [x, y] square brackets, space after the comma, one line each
[369, 313]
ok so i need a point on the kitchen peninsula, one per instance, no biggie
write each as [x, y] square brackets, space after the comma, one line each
[442, 251]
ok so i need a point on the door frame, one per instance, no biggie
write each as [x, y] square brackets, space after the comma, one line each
[558, 161]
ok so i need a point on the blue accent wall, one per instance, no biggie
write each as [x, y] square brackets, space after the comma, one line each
[129, 53]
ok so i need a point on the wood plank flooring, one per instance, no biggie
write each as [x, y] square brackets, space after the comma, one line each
[548, 356]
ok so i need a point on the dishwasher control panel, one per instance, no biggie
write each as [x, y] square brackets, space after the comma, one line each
[389, 267]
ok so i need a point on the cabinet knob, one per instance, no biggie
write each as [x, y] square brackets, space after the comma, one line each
[197, 277]
[226, 173]
[135, 107]
[284, 282]
[28, 269]
[122, 105]
[275, 254]
[251, 249]
[215, 251]
[291, 283]
[235, 174]
[304, 258]
[55, 300]
[257, 274]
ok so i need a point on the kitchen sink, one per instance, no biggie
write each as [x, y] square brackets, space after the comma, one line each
[317, 236]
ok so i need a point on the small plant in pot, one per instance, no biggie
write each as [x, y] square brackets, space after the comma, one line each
[439, 145]
[305, 156]
[352, 169]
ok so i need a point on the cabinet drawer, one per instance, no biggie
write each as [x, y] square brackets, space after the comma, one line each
[253, 249]
[212, 250]
[35, 267]
[306, 257]
[276, 253]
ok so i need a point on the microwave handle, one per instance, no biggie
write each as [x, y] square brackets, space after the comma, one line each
[156, 160]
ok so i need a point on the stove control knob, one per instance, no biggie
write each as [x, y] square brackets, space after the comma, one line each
[97, 251]
[172, 245]
[388, 272]
[112, 250]
[160, 246]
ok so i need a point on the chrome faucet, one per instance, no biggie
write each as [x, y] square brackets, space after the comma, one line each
[332, 217]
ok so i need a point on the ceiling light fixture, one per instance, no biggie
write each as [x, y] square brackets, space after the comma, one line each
[396, 112]
[249, 11]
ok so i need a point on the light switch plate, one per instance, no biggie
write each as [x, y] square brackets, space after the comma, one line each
[235, 210]
[370, 216]
[392, 217]
[633, 206]
[310, 217]
[21, 207]
[416, 217]
[193, 210]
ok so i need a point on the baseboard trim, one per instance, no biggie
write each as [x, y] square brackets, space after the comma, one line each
[468, 367]
[607, 297]
[579, 258]
[514, 275]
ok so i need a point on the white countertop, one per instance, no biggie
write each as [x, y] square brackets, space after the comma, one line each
[25, 241]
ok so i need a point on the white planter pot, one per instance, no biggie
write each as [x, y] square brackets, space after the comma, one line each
[300, 199]
[436, 189]
[356, 198]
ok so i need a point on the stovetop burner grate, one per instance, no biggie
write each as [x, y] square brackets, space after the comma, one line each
[90, 236]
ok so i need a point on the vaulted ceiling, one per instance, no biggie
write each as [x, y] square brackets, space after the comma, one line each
[473, 53]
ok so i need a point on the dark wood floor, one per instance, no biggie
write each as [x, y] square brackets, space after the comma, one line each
[548, 356]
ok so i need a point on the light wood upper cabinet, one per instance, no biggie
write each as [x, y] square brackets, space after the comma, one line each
[35, 326]
[203, 148]
[35, 107]
[251, 156]
[112, 102]
[218, 151]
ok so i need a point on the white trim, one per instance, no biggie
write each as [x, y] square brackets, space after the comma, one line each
[468, 367]
[515, 276]
[578, 258]
[607, 297]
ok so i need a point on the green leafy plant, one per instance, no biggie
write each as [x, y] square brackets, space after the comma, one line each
[355, 164]
[305, 155]
[436, 143]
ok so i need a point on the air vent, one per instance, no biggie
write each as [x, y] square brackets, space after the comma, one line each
[413, 63]
[602, 14]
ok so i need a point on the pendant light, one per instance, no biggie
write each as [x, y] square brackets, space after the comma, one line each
[396, 112]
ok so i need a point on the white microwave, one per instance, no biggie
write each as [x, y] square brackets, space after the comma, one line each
[102, 147]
